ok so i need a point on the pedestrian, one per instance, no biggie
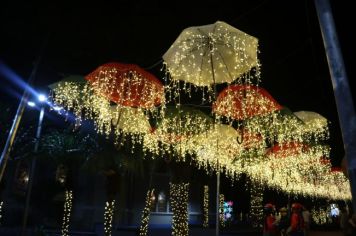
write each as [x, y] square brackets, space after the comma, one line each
[296, 227]
[306, 218]
[269, 220]
[283, 222]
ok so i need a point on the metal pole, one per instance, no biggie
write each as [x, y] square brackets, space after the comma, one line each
[217, 202]
[11, 137]
[15, 124]
[342, 93]
[32, 171]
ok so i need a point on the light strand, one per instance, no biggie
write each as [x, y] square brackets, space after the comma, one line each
[179, 201]
[108, 217]
[67, 212]
[146, 213]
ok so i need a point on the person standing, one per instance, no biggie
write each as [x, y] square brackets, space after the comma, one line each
[283, 222]
[296, 227]
[307, 219]
[269, 221]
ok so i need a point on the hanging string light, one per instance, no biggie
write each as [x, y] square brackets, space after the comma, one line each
[146, 213]
[67, 212]
[85, 103]
[315, 125]
[108, 217]
[204, 56]
[179, 201]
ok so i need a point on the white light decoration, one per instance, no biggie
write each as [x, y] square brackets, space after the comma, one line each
[175, 129]
[86, 104]
[179, 201]
[315, 125]
[206, 207]
[108, 217]
[146, 213]
[67, 212]
[210, 54]
[301, 169]
[319, 215]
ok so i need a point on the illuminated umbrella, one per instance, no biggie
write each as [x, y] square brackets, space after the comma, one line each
[177, 125]
[211, 54]
[314, 124]
[217, 148]
[240, 102]
[74, 79]
[127, 84]
[73, 93]
[130, 120]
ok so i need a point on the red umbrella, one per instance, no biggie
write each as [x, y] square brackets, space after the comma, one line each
[244, 101]
[250, 139]
[127, 85]
[336, 169]
[287, 149]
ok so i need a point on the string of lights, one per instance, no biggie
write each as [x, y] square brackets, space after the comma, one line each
[108, 217]
[146, 213]
[67, 212]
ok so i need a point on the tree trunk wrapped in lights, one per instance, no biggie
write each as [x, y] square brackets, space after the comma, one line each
[146, 213]
[256, 210]
[108, 217]
[221, 210]
[179, 201]
[67, 212]
[206, 206]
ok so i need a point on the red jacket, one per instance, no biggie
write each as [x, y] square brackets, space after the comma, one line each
[269, 224]
[297, 222]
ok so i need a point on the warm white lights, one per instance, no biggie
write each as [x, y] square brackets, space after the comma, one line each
[67, 212]
[179, 202]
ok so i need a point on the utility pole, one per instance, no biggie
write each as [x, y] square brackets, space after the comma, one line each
[343, 96]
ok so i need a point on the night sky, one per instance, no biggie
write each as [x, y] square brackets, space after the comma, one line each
[78, 37]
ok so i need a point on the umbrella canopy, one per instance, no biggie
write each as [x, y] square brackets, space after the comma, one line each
[211, 54]
[174, 129]
[217, 148]
[183, 121]
[314, 124]
[127, 85]
[72, 79]
[244, 101]
[129, 120]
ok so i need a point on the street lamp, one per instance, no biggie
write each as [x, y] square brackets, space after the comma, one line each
[41, 99]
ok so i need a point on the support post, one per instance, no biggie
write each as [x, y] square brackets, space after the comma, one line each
[342, 93]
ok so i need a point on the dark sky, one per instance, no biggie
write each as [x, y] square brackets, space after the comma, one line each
[81, 36]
